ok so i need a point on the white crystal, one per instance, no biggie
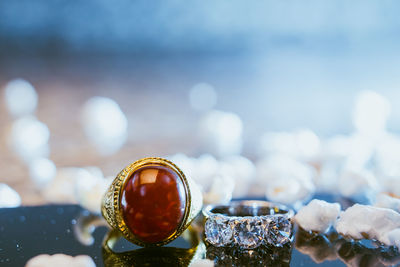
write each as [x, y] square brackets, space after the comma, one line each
[202, 96]
[326, 178]
[371, 113]
[204, 170]
[386, 201]
[202, 263]
[42, 171]
[302, 144]
[387, 156]
[216, 183]
[60, 260]
[391, 184]
[394, 238]
[29, 138]
[220, 191]
[218, 179]
[21, 97]
[62, 188]
[336, 148]
[364, 221]
[317, 216]
[90, 191]
[286, 180]
[243, 172]
[222, 132]
[353, 151]
[9, 198]
[248, 232]
[361, 182]
[360, 152]
[218, 231]
[105, 124]
[278, 230]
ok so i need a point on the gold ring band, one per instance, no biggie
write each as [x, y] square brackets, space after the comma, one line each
[144, 173]
[156, 256]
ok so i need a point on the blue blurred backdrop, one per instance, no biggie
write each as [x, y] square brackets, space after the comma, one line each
[278, 64]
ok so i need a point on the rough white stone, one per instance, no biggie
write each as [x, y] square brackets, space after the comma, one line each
[394, 238]
[390, 184]
[286, 180]
[243, 172]
[387, 155]
[60, 260]
[62, 188]
[317, 216]
[222, 132]
[336, 147]
[42, 171]
[104, 124]
[220, 191]
[90, 192]
[9, 198]
[85, 186]
[202, 96]
[217, 181]
[359, 182]
[202, 169]
[360, 152]
[29, 138]
[21, 98]
[363, 221]
[326, 179]
[386, 201]
[371, 113]
[302, 144]
[202, 263]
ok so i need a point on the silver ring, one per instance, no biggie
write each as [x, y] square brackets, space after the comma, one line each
[248, 224]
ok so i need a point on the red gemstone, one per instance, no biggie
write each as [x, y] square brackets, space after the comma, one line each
[153, 203]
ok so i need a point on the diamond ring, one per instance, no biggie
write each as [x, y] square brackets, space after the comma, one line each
[248, 224]
[151, 202]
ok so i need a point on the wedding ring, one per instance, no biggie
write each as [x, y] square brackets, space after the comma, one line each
[248, 224]
[151, 202]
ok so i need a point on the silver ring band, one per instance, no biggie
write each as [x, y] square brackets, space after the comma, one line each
[248, 224]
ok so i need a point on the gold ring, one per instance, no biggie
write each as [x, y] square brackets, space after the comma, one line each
[155, 256]
[151, 202]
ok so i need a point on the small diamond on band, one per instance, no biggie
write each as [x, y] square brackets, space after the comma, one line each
[219, 231]
[278, 231]
[249, 232]
[231, 226]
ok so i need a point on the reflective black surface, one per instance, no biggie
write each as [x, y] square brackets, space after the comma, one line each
[28, 231]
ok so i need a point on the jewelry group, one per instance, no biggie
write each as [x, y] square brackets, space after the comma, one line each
[151, 202]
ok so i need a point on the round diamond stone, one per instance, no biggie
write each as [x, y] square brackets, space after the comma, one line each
[218, 231]
[249, 232]
[278, 230]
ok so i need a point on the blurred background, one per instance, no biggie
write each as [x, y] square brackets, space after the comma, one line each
[167, 77]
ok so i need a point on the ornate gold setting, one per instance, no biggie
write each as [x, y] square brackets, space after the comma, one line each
[111, 208]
